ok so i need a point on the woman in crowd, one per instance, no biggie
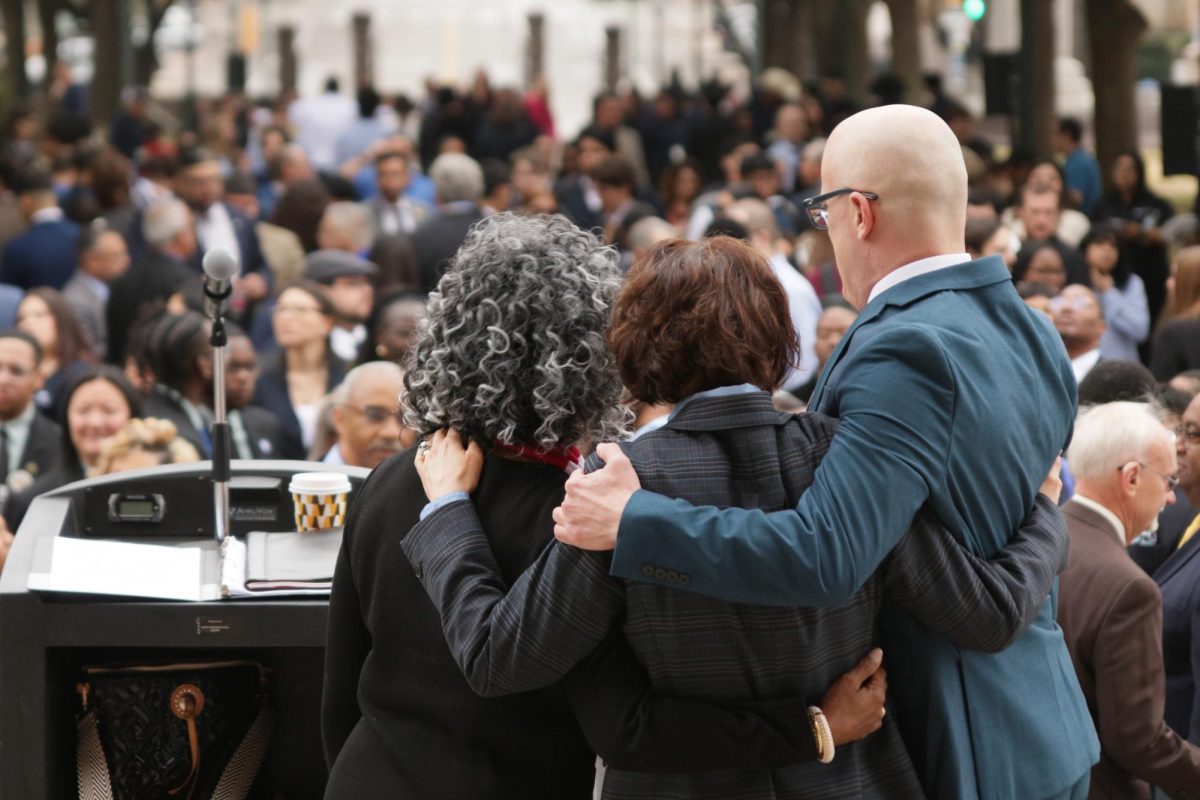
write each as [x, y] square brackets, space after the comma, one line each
[1122, 294]
[702, 326]
[292, 385]
[1177, 340]
[1040, 262]
[392, 327]
[144, 444]
[679, 187]
[45, 315]
[1138, 215]
[96, 404]
[515, 354]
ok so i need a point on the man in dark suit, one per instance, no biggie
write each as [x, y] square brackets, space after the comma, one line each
[1179, 580]
[155, 277]
[578, 196]
[254, 430]
[29, 443]
[1111, 611]
[951, 395]
[44, 255]
[459, 182]
[220, 226]
[103, 258]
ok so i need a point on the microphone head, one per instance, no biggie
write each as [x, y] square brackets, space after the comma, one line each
[220, 265]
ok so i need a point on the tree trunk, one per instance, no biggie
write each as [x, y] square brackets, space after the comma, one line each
[780, 46]
[1113, 30]
[16, 87]
[906, 46]
[145, 58]
[108, 28]
[840, 34]
[1038, 113]
[47, 11]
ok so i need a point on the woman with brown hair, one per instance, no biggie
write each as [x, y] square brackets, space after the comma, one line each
[1177, 342]
[705, 326]
[45, 315]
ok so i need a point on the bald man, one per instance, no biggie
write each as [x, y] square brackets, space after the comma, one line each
[951, 393]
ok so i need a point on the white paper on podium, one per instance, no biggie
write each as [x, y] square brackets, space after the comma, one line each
[125, 569]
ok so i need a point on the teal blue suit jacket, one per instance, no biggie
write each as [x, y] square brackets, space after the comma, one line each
[950, 392]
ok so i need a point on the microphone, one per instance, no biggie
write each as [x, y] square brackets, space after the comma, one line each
[220, 268]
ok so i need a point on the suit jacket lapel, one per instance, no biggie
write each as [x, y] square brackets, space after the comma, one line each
[1177, 560]
[970, 275]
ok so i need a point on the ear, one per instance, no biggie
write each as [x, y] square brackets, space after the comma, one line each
[864, 215]
[1131, 476]
[338, 417]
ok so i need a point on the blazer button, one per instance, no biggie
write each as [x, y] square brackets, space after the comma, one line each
[419, 570]
[672, 575]
[684, 578]
[648, 570]
[660, 573]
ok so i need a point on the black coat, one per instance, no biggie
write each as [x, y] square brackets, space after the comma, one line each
[1176, 348]
[149, 280]
[271, 394]
[436, 242]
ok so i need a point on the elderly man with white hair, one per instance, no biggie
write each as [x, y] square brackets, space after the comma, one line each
[459, 182]
[1110, 610]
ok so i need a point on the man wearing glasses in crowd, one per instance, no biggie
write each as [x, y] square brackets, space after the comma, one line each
[952, 394]
[367, 417]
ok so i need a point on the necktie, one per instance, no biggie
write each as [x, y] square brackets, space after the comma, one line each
[1190, 532]
[3, 453]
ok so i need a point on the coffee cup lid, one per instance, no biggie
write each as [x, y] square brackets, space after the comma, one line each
[319, 483]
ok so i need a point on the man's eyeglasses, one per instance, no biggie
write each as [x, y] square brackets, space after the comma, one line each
[1189, 433]
[818, 215]
[1172, 480]
[377, 415]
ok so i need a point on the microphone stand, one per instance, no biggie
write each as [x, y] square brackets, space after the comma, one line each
[220, 432]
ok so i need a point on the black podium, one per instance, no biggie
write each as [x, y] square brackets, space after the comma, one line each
[46, 638]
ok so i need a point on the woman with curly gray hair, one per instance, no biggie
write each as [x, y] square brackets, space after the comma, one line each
[513, 354]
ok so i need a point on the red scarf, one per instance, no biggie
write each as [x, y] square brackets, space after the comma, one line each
[567, 459]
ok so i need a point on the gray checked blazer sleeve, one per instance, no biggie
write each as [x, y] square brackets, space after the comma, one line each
[519, 638]
[977, 603]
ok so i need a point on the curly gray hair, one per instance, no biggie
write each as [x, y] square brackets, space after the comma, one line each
[513, 348]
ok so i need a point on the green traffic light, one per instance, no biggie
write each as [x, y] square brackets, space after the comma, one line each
[974, 9]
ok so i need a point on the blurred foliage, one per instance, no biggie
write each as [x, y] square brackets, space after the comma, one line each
[1156, 53]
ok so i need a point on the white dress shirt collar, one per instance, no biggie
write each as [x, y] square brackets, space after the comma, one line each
[1111, 518]
[925, 265]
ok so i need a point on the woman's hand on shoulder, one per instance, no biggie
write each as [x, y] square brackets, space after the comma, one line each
[446, 465]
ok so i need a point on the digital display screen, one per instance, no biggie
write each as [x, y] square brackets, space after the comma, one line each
[135, 509]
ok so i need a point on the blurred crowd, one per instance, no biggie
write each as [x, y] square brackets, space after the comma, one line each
[343, 210]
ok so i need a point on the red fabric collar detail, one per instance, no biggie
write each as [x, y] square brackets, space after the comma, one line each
[567, 459]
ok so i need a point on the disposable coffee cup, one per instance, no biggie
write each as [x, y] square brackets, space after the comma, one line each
[319, 499]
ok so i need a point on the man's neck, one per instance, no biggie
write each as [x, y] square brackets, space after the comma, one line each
[9, 416]
[1103, 496]
[1080, 348]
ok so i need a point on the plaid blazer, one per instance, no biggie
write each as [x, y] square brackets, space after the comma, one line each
[726, 451]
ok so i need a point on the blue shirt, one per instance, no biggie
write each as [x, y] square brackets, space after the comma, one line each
[1082, 173]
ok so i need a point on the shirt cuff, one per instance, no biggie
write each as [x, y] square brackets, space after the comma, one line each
[444, 500]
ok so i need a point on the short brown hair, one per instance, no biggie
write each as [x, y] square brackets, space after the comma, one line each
[698, 315]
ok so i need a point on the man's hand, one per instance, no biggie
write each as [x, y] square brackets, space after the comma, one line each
[1052, 486]
[591, 512]
[446, 466]
[853, 705]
